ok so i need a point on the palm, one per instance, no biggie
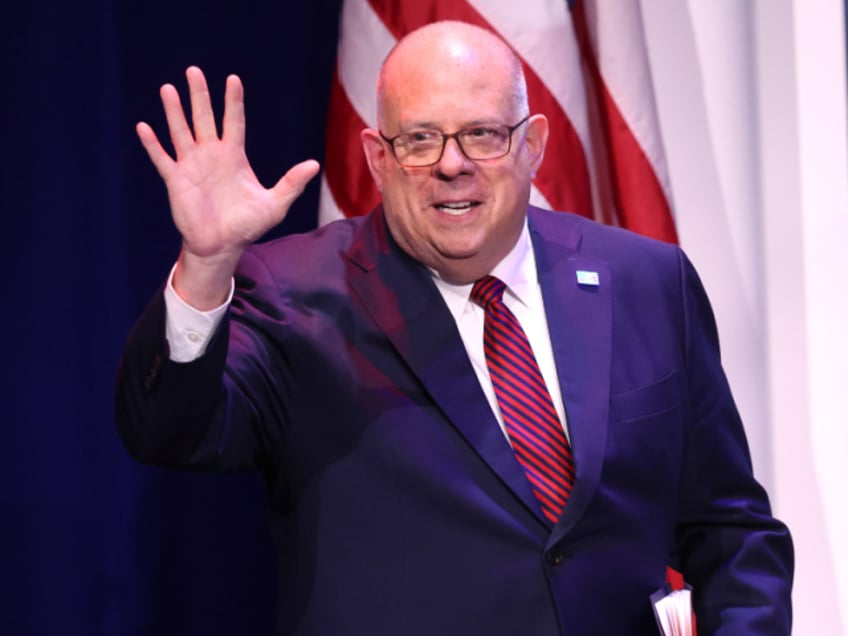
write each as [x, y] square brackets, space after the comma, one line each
[217, 202]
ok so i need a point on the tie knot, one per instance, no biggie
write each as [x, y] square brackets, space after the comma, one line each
[487, 290]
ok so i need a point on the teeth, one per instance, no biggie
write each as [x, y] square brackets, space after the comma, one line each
[455, 208]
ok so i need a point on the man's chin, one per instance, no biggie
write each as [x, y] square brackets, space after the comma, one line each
[461, 267]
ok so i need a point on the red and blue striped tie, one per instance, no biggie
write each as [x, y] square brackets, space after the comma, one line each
[531, 420]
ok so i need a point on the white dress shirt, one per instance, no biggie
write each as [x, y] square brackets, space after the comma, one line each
[188, 330]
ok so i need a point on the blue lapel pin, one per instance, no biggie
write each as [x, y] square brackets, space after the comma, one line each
[587, 278]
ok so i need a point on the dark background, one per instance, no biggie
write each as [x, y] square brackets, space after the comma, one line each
[92, 542]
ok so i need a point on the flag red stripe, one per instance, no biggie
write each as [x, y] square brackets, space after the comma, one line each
[563, 178]
[345, 168]
[641, 205]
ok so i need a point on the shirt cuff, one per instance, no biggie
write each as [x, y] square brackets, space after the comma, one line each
[189, 330]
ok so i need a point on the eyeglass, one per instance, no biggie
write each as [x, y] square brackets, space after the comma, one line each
[422, 148]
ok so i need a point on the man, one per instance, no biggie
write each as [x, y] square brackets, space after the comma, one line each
[351, 367]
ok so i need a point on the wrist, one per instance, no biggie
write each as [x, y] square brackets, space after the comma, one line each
[204, 282]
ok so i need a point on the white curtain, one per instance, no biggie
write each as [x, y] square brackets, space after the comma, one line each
[752, 105]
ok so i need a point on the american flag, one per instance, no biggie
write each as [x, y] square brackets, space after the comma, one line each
[587, 69]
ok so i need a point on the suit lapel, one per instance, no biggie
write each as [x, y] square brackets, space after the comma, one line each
[402, 300]
[579, 319]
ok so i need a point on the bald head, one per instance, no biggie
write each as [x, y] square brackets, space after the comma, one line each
[442, 51]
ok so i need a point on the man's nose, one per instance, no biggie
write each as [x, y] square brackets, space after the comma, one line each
[453, 161]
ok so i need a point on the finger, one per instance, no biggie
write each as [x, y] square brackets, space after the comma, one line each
[160, 159]
[178, 128]
[292, 184]
[202, 115]
[234, 122]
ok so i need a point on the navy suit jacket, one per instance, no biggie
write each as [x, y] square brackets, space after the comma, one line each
[398, 506]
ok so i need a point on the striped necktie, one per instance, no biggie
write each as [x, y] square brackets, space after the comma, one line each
[531, 420]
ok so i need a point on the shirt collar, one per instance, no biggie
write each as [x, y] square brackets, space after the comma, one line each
[517, 270]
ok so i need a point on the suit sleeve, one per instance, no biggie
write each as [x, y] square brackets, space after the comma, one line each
[215, 412]
[737, 556]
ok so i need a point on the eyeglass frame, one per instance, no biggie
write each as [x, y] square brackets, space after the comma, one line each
[455, 137]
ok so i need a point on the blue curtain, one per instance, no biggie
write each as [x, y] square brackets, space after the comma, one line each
[92, 542]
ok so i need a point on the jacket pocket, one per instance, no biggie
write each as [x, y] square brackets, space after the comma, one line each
[649, 400]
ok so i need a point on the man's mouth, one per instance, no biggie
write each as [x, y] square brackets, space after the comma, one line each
[456, 208]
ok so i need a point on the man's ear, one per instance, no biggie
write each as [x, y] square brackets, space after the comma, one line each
[376, 154]
[536, 139]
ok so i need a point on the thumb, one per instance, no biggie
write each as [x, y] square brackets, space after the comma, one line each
[292, 184]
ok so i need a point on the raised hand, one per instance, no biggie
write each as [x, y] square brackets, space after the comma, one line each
[218, 204]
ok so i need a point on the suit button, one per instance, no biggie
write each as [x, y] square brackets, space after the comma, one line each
[554, 557]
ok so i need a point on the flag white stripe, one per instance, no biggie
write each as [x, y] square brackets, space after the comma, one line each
[328, 210]
[363, 44]
[538, 199]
